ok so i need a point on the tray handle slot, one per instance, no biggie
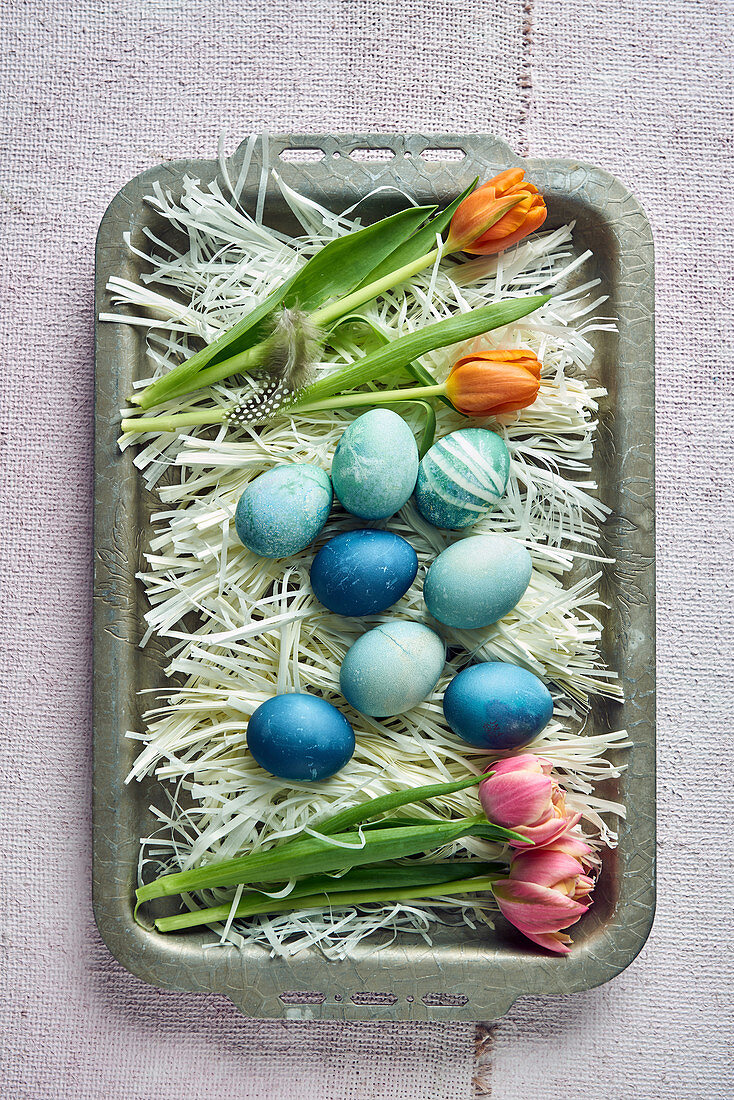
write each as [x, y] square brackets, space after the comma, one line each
[373, 998]
[302, 997]
[302, 155]
[434, 154]
[363, 153]
[444, 1000]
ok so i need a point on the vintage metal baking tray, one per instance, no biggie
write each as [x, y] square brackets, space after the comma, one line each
[464, 975]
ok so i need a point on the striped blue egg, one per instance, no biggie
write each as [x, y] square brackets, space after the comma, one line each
[462, 478]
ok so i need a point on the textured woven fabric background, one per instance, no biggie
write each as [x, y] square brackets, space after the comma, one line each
[91, 96]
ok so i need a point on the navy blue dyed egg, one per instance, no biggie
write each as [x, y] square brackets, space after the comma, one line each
[477, 580]
[300, 737]
[392, 668]
[284, 509]
[363, 572]
[462, 478]
[497, 706]
[375, 465]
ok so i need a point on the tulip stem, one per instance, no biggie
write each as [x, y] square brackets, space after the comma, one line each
[372, 397]
[375, 398]
[446, 891]
[257, 355]
[359, 297]
[173, 422]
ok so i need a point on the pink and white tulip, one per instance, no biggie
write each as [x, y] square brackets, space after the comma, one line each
[547, 891]
[520, 795]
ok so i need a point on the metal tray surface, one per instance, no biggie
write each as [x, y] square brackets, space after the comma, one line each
[465, 975]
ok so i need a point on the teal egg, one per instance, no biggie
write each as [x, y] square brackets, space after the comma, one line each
[462, 478]
[375, 465]
[283, 510]
[477, 580]
[392, 668]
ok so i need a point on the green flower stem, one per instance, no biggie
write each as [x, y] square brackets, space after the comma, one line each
[173, 422]
[377, 876]
[374, 397]
[246, 360]
[327, 314]
[316, 855]
[254, 357]
[325, 900]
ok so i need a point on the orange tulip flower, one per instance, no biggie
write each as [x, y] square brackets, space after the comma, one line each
[491, 382]
[497, 215]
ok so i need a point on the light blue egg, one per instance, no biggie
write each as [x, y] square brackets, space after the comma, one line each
[283, 510]
[375, 465]
[462, 478]
[477, 580]
[497, 706]
[392, 668]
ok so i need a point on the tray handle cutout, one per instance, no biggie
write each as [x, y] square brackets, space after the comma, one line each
[302, 997]
[434, 154]
[302, 155]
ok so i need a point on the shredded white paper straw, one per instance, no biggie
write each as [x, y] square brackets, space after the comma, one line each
[237, 628]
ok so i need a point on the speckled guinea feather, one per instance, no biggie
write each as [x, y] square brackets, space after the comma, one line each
[293, 346]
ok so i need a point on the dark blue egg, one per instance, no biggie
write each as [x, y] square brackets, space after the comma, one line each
[300, 737]
[363, 572]
[497, 706]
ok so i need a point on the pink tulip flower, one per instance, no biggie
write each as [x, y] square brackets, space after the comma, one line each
[520, 795]
[547, 891]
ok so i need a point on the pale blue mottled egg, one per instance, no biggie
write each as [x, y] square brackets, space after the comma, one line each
[392, 668]
[284, 509]
[477, 580]
[497, 706]
[375, 465]
[462, 478]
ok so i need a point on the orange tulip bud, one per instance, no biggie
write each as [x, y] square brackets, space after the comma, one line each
[496, 215]
[491, 382]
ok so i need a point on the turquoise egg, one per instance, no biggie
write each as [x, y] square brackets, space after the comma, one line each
[283, 510]
[477, 580]
[375, 465]
[392, 668]
[497, 706]
[462, 478]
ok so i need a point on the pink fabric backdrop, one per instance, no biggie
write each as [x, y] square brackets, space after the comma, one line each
[94, 95]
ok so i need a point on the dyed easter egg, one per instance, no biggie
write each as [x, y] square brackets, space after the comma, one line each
[283, 510]
[462, 477]
[392, 668]
[363, 572]
[300, 737]
[375, 465]
[477, 580]
[497, 706]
